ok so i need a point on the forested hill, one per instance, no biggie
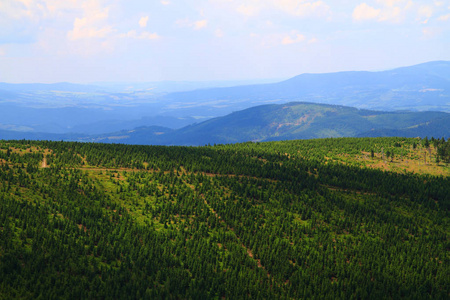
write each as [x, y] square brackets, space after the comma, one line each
[295, 120]
[291, 121]
[349, 218]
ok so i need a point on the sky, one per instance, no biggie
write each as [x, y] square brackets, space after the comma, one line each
[85, 41]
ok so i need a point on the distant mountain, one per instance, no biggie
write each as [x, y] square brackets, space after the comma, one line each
[108, 126]
[41, 87]
[292, 121]
[19, 135]
[65, 108]
[141, 135]
[158, 87]
[95, 109]
[439, 127]
[421, 87]
[296, 120]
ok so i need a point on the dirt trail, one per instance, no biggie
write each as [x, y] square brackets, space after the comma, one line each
[44, 162]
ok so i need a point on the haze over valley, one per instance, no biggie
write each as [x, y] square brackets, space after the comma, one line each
[34, 110]
[89, 68]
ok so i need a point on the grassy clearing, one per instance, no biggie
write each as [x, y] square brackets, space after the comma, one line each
[416, 161]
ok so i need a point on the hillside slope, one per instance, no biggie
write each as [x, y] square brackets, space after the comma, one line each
[298, 121]
[289, 121]
[277, 220]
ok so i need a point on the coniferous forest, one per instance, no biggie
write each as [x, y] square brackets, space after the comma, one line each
[347, 218]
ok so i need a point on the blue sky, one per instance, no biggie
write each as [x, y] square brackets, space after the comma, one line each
[152, 40]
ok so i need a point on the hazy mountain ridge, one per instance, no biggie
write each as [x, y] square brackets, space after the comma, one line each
[295, 121]
[420, 87]
[65, 108]
[59, 86]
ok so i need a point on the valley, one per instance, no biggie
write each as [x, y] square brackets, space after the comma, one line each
[81, 112]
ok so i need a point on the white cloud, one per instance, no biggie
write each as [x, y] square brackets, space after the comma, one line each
[293, 38]
[25, 10]
[93, 32]
[149, 36]
[313, 40]
[62, 9]
[163, 2]
[83, 29]
[365, 12]
[145, 35]
[444, 18]
[200, 24]
[393, 14]
[298, 8]
[302, 8]
[37, 10]
[248, 10]
[193, 24]
[393, 11]
[93, 24]
[282, 39]
[389, 3]
[143, 22]
[56, 43]
[424, 13]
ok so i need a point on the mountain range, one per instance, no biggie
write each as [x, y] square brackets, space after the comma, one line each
[421, 87]
[386, 103]
[296, 120]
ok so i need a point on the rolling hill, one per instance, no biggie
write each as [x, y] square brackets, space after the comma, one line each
[311, 219]
[291, 121]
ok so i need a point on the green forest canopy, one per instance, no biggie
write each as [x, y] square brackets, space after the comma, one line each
[293, 219]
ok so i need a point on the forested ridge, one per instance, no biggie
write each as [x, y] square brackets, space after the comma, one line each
[341, 218]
